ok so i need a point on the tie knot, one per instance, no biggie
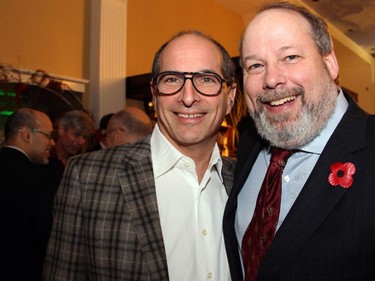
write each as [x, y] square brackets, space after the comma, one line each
[280, 156]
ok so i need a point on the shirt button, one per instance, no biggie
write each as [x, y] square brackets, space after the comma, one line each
[204, 232]
[187, 164]
[209, 275]
[286, 179]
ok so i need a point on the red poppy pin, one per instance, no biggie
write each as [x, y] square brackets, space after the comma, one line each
[341, 174]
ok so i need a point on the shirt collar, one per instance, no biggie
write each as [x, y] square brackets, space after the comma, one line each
[20, 150]
[165, 156]
[317, 145]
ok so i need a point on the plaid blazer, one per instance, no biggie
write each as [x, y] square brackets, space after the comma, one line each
[106, 219]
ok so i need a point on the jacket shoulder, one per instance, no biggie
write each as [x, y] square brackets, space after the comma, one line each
[113, 156]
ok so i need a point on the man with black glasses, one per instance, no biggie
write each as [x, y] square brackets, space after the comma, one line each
[153, 210]
[26, 194]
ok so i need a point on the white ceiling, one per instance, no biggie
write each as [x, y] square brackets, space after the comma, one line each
[355, 18]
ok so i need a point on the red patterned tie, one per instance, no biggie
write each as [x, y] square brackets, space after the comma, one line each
[262, 228]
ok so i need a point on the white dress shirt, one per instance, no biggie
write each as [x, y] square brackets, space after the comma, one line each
[190, 213]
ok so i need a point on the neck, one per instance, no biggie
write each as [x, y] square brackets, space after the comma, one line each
[201, 155]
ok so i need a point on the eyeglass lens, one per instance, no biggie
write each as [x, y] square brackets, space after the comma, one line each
[205, 83]
[48, 135]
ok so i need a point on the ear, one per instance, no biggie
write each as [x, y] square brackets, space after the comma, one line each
[231, 97]
[153, 90]
[115, 138]
[25, 135]
[332, 65]
[154, 94]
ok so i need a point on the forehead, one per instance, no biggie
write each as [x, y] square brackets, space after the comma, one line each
[43, 120]
[190, 53]
[77, 132]
[277, 26]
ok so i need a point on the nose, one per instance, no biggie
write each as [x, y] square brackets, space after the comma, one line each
[274, 76]
[52, 142]
[188, 94]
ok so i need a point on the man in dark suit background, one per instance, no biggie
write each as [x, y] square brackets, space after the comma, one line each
[26, 194]
[326, 224]
[152, 210]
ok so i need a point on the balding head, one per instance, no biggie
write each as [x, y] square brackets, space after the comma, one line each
[30, 131]
[127, 126]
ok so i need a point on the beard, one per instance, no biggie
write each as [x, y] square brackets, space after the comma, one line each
[282, 131]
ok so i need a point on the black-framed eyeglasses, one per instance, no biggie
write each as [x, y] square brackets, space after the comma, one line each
[206, 83]
[48, 135]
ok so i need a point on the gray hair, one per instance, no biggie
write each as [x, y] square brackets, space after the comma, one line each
[79, 121]
[319, 28]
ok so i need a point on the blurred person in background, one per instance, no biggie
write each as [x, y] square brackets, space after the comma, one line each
[26, 194]
[128, 126]
[74, 128]
[98, 140]
[103, 126]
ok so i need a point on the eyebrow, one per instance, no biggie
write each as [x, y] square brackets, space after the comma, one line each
[282, 49]
[251, 57]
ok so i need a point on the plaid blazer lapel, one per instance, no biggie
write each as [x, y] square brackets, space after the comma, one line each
[138, 186]
[229, 165]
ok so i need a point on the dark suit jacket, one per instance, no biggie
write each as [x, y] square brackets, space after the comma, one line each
[329, 233]
[25, 216]
[107, 224]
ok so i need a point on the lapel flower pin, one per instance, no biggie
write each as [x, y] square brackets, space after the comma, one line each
[341, 174]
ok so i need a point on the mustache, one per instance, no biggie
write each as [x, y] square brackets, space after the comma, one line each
[276, 94]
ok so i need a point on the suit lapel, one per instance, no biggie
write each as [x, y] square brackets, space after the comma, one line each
[249, 147]
[228, 173]
[138, 186]
[318, 197]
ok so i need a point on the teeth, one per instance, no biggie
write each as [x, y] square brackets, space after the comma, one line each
[282, 101]
[190, 115]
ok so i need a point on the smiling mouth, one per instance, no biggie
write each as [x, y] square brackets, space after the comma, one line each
[190, 115]
[282, 101]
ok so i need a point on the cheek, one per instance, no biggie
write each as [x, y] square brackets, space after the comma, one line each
[305, 75]
[249, 103]
[45, 144]
[109, 139]
[70, 141]
[252, 86]
[158, 106]
[163, 111]
[249, 95]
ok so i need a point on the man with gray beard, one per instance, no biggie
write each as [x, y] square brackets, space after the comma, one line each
[321, 226]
